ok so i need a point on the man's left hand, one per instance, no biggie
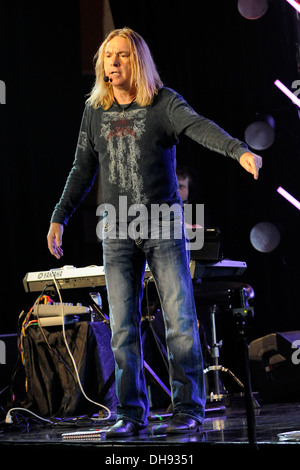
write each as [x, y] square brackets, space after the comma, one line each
[251, 163]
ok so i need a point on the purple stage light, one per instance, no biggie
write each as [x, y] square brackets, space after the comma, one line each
[289, 197]
[294, 4]
[287, 92]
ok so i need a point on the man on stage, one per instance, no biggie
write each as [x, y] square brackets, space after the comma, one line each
[130, 127]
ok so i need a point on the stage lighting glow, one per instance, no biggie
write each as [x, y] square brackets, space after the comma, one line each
[265, 237]
[252, 9]
[287, 92]
[288, 197]
[294, 4]
[260, 134]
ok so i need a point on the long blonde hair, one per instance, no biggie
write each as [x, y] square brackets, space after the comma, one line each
[144, 73]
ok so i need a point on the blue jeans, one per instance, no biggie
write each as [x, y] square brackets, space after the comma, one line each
[124, 261]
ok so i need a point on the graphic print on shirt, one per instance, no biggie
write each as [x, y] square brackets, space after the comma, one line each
[122, 135]
[82, 140]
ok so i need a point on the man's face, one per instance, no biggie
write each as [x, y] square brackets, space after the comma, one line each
[117, 63]
[183, 189]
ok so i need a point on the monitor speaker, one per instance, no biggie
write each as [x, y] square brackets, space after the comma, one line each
[275, 366]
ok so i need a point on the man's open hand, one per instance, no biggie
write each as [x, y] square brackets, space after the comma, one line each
[54, 239]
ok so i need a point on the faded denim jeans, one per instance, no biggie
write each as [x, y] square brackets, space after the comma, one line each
[168, 260]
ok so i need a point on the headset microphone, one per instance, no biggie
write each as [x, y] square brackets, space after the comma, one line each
[105, 78]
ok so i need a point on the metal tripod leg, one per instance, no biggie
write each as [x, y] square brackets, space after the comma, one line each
[215, 353]
[216, 368]
[145, 324]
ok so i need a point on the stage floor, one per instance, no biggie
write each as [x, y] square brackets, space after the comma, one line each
[225, 429]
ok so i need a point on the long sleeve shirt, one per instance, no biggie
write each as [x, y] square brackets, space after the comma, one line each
[136, 150]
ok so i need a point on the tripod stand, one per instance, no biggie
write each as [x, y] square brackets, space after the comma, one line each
[216, 368]
[235, 297]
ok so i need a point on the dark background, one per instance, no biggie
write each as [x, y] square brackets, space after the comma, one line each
[223, 64]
